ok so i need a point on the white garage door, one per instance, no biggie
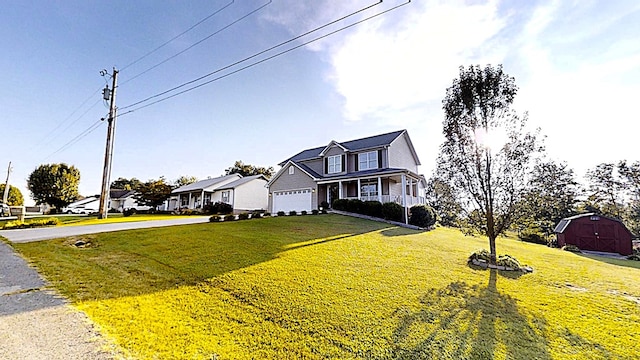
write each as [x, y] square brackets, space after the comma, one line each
[297, 200]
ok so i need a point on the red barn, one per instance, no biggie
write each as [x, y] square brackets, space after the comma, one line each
[595, 233]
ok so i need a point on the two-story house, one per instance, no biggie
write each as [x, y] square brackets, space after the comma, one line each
[382, 168]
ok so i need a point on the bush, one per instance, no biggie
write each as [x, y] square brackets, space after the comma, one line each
[324, 205]
[633, 257]
[243, 216]
[314, 212]
[571, 248]
[218, 208]
[533, 235]
[230, 217]
[339, 204]
[372, 208]
[355, 206]
[215, 218]
[293, 213]
[280, 213]
[422, 216]
[128, 212]
[113, 211]
[303, 212]
[266, 214]
[508, 261]
[392, 211]
[32, 224]
[483, 255]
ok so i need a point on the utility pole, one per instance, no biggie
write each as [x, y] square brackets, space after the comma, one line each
[108, 154]
[6, 187]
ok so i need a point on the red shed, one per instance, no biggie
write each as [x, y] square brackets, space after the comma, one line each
[596, 233]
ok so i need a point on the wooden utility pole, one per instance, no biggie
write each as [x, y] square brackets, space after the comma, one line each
[108, 154]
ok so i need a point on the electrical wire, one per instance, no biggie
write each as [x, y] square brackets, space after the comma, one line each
[176, 37]
[258, 54]
[198, 42]
[244, 67]
[76, 139]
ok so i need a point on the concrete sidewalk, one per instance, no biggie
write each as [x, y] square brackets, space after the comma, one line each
[38, 234]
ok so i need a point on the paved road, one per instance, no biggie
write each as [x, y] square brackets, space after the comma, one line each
[38, 234]
[35, 322]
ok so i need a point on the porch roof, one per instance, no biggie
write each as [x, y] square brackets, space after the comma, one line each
[369, 173]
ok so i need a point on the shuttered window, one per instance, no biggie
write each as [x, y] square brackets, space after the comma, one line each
[334, 164]
[368, 160]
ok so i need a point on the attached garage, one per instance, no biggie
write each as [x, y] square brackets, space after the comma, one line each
[595, 233]
[289, 200]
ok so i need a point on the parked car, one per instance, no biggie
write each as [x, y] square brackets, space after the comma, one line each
[4, 209]
[79, 210]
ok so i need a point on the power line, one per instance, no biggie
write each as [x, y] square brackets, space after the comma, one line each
[197, 43]
[256, 55]
[177, 36]
[77, 138]
[247, 66]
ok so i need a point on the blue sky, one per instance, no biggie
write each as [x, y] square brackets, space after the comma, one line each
[577, 65]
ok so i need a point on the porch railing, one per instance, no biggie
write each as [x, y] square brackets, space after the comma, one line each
[411, 200]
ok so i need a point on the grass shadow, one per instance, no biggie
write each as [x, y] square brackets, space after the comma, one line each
[619, 262]
[399, 231]
[143, 261]
[468, 322]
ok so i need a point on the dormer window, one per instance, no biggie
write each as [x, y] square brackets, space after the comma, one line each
[368, 160]
[334, 164]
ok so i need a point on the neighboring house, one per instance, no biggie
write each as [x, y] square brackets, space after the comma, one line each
[123, 199]
[243, 193]
[381, 168]
[595, 233]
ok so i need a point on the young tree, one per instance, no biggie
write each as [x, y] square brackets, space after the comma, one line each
[125, 184]
[153, 192]
[249, 170]
[185, 180]
[552, 196]
[15, 197]
[487, 155]
[444, 201]
[630, 175]
[604, 193]
[54, 184]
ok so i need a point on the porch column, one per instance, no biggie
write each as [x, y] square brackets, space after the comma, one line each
[359, 190]
[202, 200]
[339, 189]
[404, 197]
[379, 189]
[189, 205]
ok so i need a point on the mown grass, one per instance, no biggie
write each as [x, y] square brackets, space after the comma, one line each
[78, 220]
[335, 287]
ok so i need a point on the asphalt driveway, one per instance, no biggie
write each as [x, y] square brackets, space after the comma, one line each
[38, 234]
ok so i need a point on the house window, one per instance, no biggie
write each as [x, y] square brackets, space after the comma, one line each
[291, 170]
[369, 188]
[225, 197]
[207, 199]
[368, 160]
[334, 164]
[184, 201]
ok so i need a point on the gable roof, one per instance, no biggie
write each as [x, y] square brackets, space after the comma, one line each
[351, 145]
[120, 193]
[304, 168]
[244, 180]
[564, 223]
[204, 184]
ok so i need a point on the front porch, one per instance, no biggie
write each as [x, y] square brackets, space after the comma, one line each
[403, 189]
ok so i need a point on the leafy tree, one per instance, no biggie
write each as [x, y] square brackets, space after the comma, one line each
[185, 180]
[249, 170]
[443, 199]
[630, 175]
[153, 192]
[54, 184]
[604, 191]
[15, 197]
[125, 184]
[488, 173]
[552, 196]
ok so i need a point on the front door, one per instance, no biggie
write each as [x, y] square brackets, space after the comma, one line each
[332, 193]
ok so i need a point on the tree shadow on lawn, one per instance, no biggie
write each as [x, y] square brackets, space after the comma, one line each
[399, 231]
[619, 262]
[144, 261]
[468, 322]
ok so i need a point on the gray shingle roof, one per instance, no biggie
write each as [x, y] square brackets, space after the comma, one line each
[351, 145]
[244, 180]
[203, 184]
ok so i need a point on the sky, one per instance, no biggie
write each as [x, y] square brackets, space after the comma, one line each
[577, 66]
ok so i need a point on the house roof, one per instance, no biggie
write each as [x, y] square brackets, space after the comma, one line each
[120, 193]
[205, 184]
[351, 145]
[244, 180]
[564, 223]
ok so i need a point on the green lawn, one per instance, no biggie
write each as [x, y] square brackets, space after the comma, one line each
[329, 286]
[77, 220]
